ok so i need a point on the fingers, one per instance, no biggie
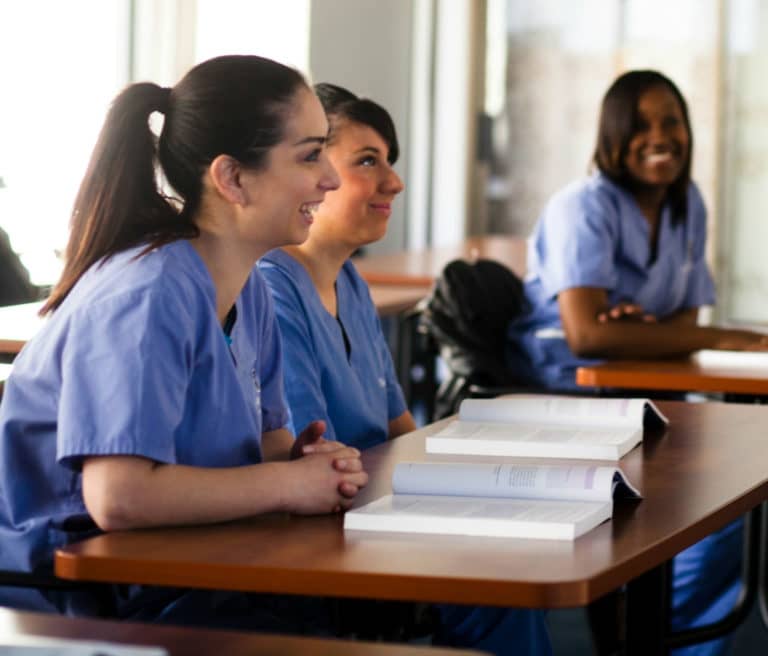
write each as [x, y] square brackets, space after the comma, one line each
[314, 431]
[625, 312]
[348, 465]
[350, 486]
[322, 446]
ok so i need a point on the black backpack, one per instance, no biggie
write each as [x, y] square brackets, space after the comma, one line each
[467, 315]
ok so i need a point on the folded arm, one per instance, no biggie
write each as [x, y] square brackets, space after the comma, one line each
[628, 336]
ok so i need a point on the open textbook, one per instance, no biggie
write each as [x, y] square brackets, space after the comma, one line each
[746, 360]
[542, 426]
[497, 500]
[22, 645]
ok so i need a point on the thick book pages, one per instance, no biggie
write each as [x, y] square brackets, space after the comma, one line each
[746, 360]
[513, 501]
[39, 646]
[542, 426]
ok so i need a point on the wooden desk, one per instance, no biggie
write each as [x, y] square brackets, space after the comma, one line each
[392, 300]
[183, 641]
[420, 268]
[699, 373]
[708, 470]
[18, 323]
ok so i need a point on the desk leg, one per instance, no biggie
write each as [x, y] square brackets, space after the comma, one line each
[647, 608]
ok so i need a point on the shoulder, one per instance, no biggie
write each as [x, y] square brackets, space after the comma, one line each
[352, 278]
[282, 273]
[696, 207]
[168, 279]
[593, 200]
[351, 283]
[289, 285]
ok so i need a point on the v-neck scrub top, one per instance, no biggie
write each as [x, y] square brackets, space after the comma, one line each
[593, 234]
[357, 394]
[134, 362]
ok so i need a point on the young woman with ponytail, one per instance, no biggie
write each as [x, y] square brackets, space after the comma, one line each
[153, 395]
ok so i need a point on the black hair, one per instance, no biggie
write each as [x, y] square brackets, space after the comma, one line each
[340, 104]
[619, 122]
[235, 105]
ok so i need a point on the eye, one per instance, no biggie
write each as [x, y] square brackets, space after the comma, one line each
[671, 121]
[641, 125]
[314, 155]
[368, 160]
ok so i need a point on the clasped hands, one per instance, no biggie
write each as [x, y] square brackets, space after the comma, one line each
[625, 311]
[312, 441]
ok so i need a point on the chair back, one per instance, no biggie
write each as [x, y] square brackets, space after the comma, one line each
[467, 315]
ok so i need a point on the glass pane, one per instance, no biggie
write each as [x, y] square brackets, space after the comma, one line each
[278, 30]
[745, 163]
[62, 64]
[561, 57]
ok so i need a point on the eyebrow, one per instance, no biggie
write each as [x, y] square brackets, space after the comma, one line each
[364, 149]
[318, 140]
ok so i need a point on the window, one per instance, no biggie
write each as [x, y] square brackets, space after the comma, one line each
[62, 64]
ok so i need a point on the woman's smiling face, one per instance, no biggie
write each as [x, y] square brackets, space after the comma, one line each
[660, 146]
[357, 212]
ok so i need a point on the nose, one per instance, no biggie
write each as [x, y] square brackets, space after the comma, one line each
[657, 133]
[392, 184]
[329, 180]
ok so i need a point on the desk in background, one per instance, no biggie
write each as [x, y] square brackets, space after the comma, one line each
[420, 268]
[18, 323]
[707, 371]
[720, 466]
[184, 641]
[398, 281]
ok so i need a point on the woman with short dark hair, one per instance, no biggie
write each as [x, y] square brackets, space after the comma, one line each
[337, 362]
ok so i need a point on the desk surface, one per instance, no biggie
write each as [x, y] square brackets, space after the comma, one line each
[184, 641]
[391, 300]
[18, 323]
[420, 268]
[710, 468]
[734, 373]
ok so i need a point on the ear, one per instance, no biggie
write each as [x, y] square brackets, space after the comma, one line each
[224, 172]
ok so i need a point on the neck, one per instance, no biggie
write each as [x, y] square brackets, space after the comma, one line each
[650, 200]
[229, 264]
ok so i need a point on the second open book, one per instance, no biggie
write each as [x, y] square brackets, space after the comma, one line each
[496, 500]
[543, 426]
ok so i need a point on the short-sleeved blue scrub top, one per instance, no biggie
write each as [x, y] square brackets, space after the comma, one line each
[356, 393]
[133, 362]
[593, 234]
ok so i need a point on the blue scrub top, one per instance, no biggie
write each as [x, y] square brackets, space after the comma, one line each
[358, 395]
[133, 362]
[593, 234]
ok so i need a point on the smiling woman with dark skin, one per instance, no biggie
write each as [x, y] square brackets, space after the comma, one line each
[617, 262]
[617, 269]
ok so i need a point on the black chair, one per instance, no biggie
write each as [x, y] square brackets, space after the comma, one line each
[466, 316]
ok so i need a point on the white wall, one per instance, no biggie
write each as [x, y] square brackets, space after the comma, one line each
[365, 46]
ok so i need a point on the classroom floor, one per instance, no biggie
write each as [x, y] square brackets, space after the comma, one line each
[570, 635]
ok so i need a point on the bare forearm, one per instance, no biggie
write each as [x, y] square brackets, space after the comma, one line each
[593, 333]
[147, 494]
[655, 340]
[125, 492]
[401, 425]
[276, 445]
